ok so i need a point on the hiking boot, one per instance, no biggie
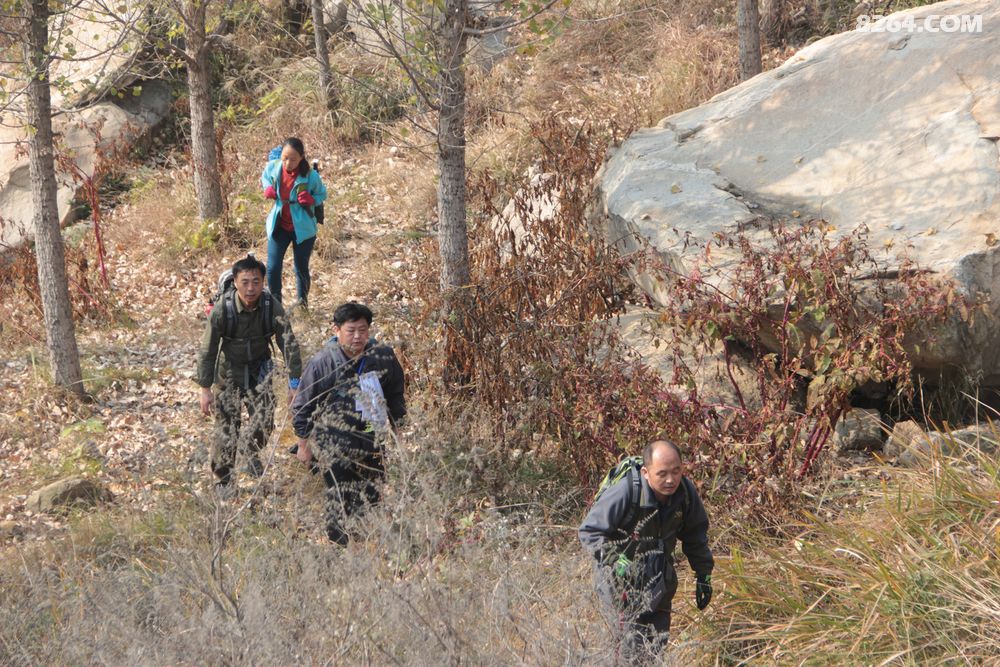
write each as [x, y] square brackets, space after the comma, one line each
[335, 533]
[225, 490]
[254, 466]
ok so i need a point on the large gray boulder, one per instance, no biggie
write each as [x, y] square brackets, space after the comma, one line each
[102, 42]
[724, 387]
[84, 134]
[893, 130]
[107, 55]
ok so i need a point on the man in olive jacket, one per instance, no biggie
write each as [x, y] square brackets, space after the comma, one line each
[351, 393]
[631, 531]
[236, 353]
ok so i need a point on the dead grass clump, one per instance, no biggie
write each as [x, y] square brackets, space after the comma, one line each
[906, 574]
[440, 572]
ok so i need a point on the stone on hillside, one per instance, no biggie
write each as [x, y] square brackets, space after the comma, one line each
[104, 49]
[859, 429]
[65, 492]
[536, 205]
[10, 529]
[954, 443]
[894, 131]
[903, 433]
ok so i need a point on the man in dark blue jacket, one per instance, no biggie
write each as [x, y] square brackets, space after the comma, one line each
[631, 531]
[351, 393]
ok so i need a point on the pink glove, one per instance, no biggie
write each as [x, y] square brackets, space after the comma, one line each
[306, 199]
[269, 193]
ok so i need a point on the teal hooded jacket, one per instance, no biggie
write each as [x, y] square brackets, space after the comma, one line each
[303, 218]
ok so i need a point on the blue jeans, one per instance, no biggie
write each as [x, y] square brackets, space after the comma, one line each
[301, 252]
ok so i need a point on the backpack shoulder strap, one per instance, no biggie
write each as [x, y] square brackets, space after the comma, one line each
[229, 314]
[635, 497]
[268, 314]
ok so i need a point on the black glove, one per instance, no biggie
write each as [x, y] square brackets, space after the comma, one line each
[703, 590]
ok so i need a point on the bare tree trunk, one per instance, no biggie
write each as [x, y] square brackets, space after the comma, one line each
[207, 184]
[748, 27]
[453, 241]
[453, 238]
[49, 252]
[226, 23]
[329, 96]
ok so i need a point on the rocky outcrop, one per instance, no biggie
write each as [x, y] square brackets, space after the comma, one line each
[106, 54]
[859, 430]
[83, 136]
[895, 131]
[733, 387]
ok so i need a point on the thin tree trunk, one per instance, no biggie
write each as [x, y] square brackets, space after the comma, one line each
[748, 28]
[207, 184]
[323, 56]
[226, 23]
[453, 239]
[49, 252]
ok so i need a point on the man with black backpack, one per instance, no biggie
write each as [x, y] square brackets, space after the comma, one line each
[641, 509]
[236, 353]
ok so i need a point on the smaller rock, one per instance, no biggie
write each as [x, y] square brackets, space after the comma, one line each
[860, 429]
[10, 529]
[953, 443]
[66, 492]
[903, 434]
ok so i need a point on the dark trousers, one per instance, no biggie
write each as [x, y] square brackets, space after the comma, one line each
[353, 471]
[277, 245]
[231, 434]
[641, 634]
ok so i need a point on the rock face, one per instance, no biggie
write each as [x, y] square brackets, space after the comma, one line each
[639, 330]
[66, 492]
[895, 131]
[84, 134]
[105, 59]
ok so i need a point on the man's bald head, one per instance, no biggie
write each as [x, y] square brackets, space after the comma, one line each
[655, 446]
[662, 468]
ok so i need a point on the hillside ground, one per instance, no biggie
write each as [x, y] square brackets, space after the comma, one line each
[472, 557]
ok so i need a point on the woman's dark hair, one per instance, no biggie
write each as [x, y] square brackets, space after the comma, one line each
[351, 312]
[296, 145]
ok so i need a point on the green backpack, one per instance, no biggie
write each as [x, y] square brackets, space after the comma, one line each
[630, 467]
[627, 467]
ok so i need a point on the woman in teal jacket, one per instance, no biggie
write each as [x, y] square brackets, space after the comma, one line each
[295, 189]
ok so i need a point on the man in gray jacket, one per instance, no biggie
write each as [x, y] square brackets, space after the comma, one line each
[631, 531]
[350, 397]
